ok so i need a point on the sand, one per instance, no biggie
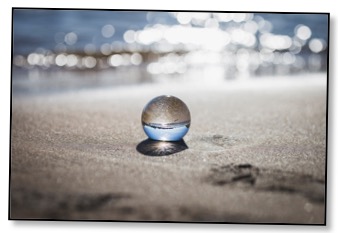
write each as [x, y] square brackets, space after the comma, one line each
[255, 153]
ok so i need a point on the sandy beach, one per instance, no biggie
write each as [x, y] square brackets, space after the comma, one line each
[255, 153]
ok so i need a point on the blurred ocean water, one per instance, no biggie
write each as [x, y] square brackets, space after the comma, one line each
[34, 29]
[126, 47]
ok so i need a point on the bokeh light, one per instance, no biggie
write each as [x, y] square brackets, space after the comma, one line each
[303, 32]
[186, 46]
[70, 38]
[317, 45]
[108, 31]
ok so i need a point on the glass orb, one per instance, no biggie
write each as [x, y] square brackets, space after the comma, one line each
[166, 118]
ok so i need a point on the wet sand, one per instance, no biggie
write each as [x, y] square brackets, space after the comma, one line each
[255, 152]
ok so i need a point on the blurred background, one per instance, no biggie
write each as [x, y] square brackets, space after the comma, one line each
[59, 50]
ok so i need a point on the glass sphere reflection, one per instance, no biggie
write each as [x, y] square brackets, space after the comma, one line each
[166, 118]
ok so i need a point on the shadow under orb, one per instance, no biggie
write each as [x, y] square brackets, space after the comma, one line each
[151, 147]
